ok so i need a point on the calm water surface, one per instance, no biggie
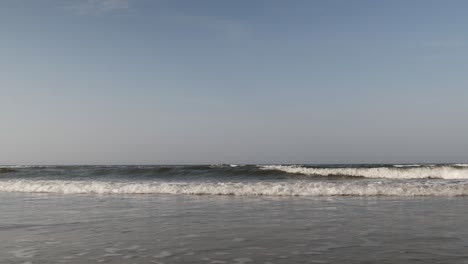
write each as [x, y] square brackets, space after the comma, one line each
[51, 228]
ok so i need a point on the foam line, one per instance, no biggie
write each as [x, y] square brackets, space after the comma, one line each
[295, 188]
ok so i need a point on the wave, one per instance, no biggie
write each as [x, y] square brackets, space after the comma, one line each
[26, 166]
[441, 172]
[228, 171]
[295, 188]
[235, 172]
[6, 170]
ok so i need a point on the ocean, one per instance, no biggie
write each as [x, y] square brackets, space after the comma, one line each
[399, 213]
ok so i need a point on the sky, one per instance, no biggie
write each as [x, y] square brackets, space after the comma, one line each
[246, 81]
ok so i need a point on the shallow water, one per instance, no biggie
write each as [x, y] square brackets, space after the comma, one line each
[51, 228]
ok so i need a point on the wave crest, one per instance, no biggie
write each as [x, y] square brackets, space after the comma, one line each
[441, 172]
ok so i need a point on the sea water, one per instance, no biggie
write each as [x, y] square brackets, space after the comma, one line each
[247, 214]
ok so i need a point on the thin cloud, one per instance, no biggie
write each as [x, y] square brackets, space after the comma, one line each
[96, 7]
[230, 29]
[446, 44]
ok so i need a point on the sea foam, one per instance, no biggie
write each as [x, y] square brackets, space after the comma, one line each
[441, 172]
[284, 188]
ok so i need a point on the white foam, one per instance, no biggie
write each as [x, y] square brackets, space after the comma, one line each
[24, 166]
[283, 188]
[225, 165]
[163, 254]
[24, 253]
[442, 172]
[407, 165]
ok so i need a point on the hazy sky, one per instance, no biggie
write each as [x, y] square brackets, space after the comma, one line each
[171, 82]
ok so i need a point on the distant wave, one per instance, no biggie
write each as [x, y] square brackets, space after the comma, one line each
[133, 172]
[26, 166]
[441, 172]
[231, 171]
[286, 188]
[406, 165]
[6, 170]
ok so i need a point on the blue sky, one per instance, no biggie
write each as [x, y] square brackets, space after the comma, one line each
[178, 82]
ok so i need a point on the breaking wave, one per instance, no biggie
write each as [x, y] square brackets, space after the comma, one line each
[407, 165]
[286, 188]
[412, 172]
